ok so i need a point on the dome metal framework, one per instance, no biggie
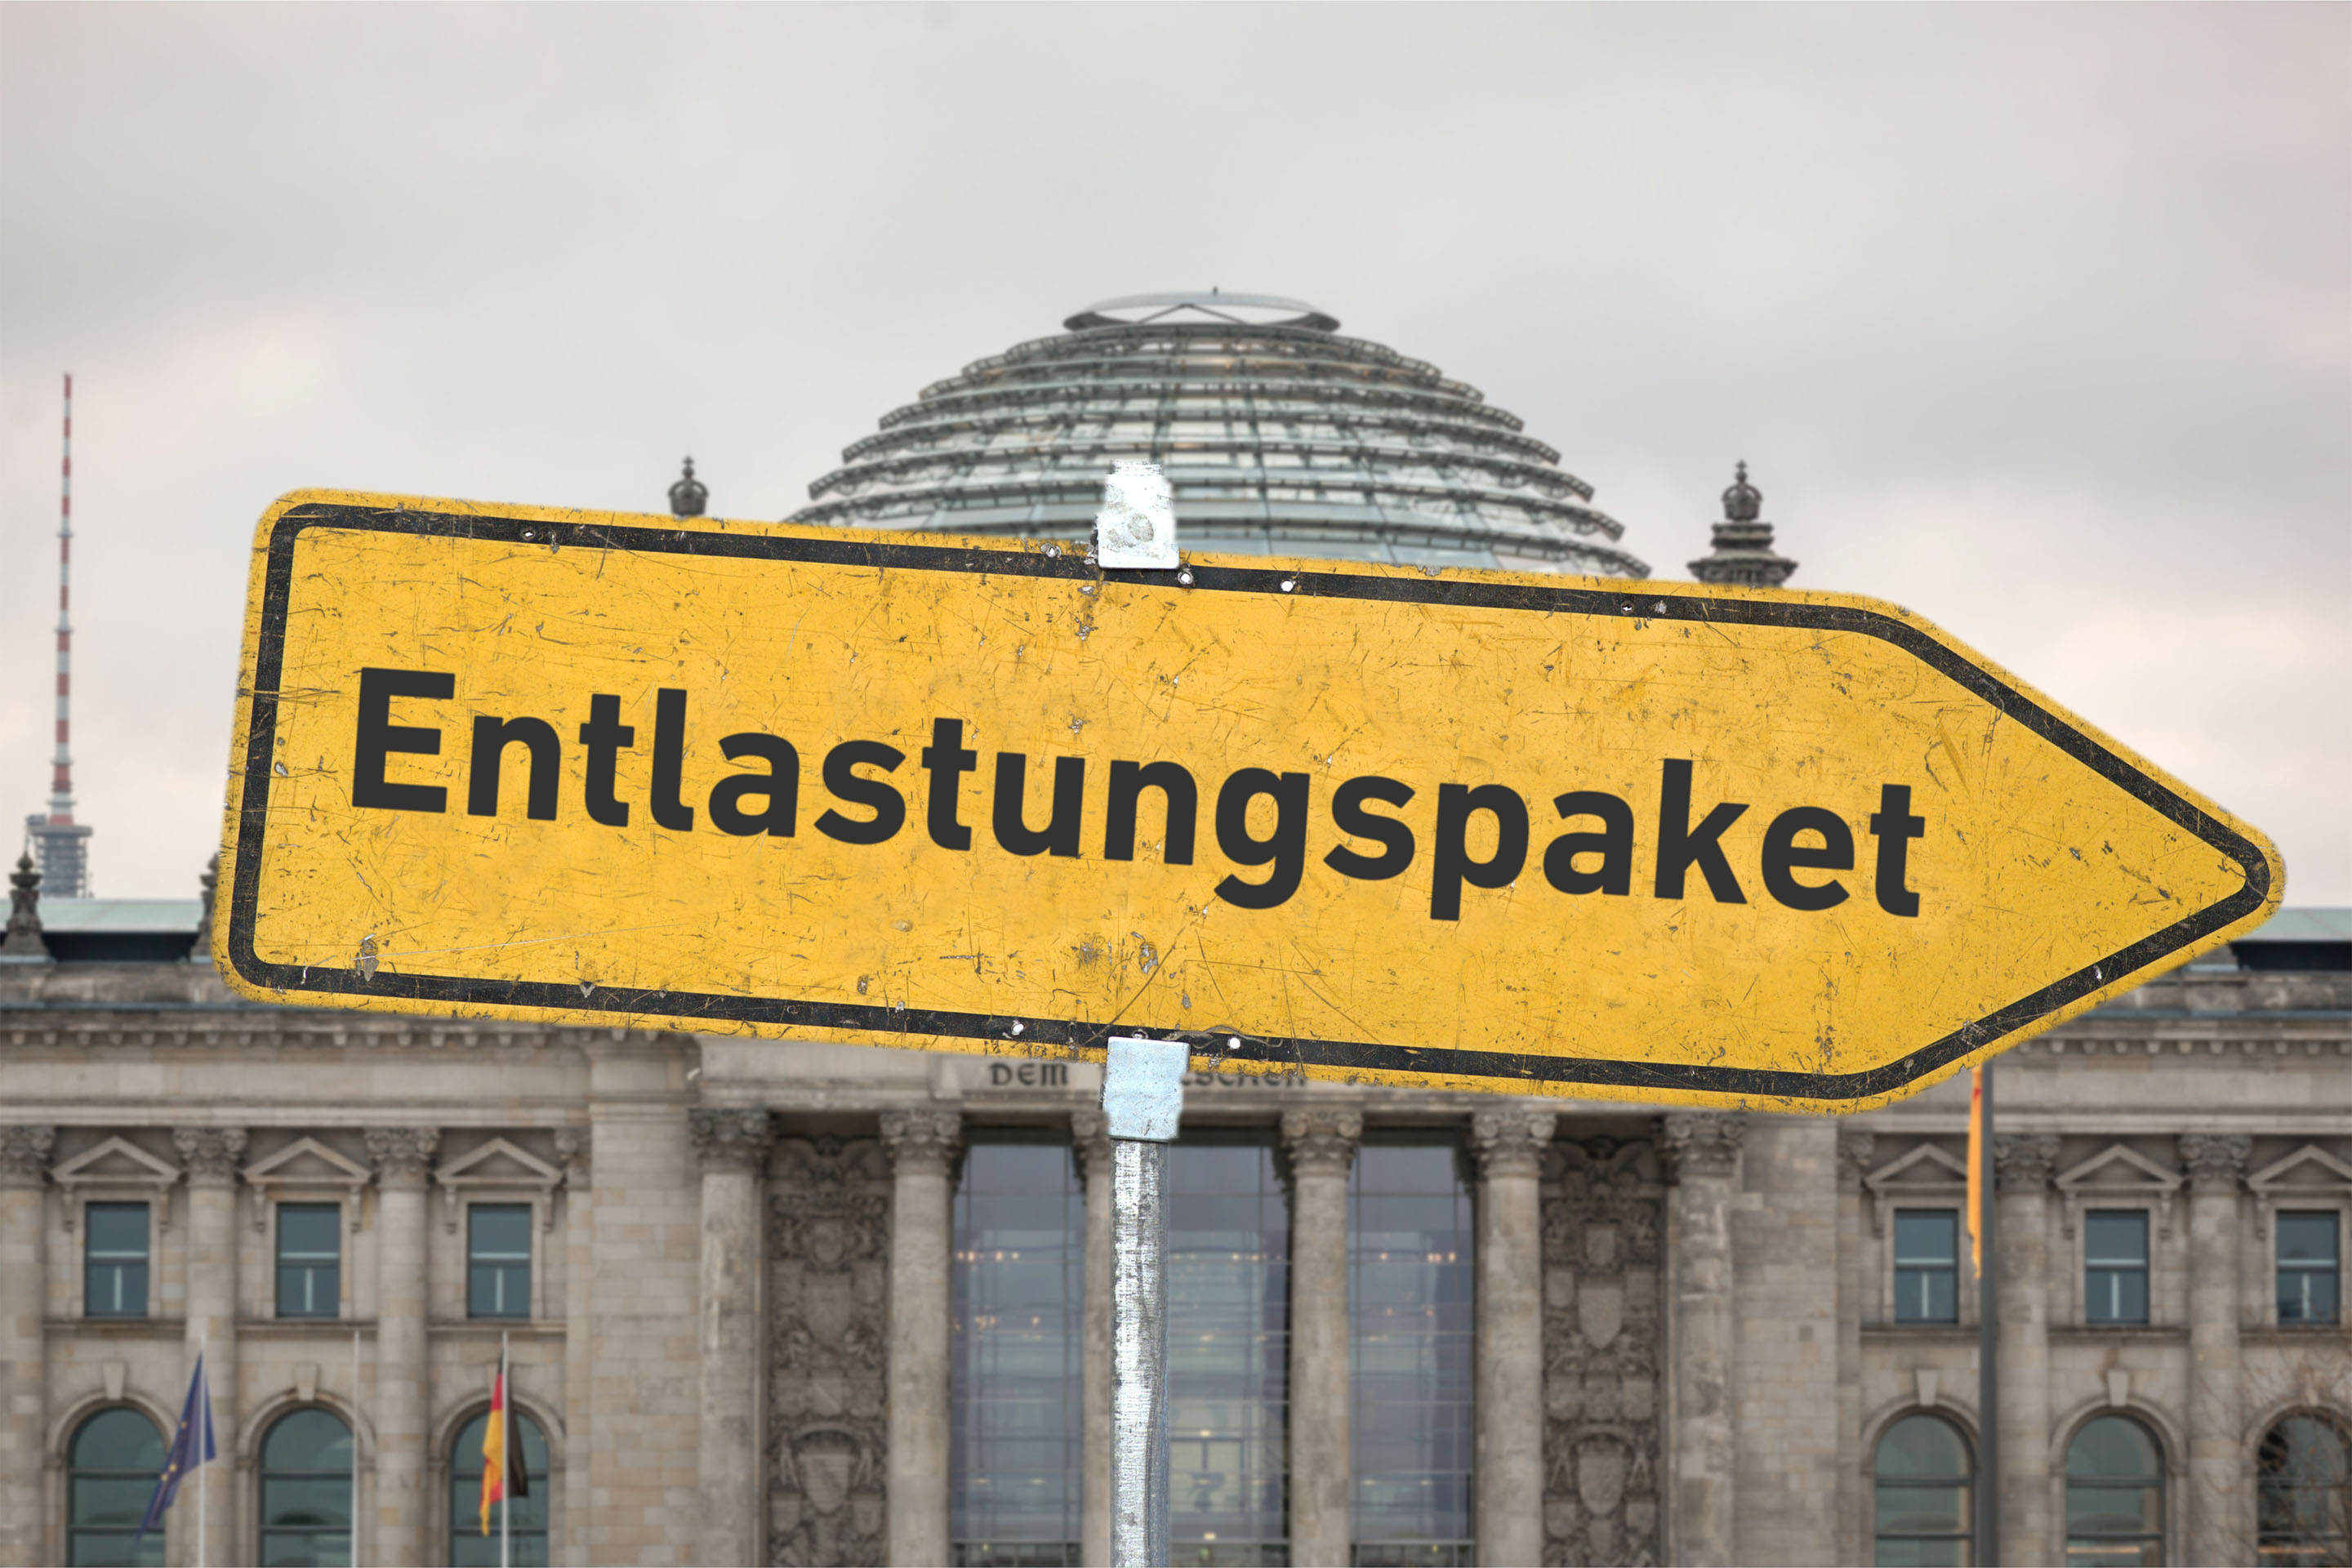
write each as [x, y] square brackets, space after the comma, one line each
[1279, 436]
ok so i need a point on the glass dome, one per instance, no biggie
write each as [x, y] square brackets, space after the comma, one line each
[1279, 436]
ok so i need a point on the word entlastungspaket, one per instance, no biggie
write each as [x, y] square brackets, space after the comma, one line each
[1586, 859]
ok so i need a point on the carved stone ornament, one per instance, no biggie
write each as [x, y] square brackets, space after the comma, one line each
[25, 1154]
[1603, 1306]
[924, 1141]
[402, 1154]
[1854, 1150]
[1702, 1142]
[1510, 1139]
[2022, 1162]
[726, 1139]
[1090, 1143]
[211, 1154]
[828, 1295]
[572, 1145]
[2215, 1162]
[1322, 1141]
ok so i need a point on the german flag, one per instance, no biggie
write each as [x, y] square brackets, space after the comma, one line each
[504, 1476]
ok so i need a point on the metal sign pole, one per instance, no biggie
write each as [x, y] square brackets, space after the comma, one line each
[1143, 1100]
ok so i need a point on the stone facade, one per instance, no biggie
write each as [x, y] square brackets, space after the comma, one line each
[737, 1343]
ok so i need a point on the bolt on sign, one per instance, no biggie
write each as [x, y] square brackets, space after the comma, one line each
[1474, 830]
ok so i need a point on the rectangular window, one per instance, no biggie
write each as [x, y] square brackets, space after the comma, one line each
[114, 1261]
[1017, 1295]
[497, 1260]
[1228, 1274]
[1926, 1265]
[2309, 1281]
[310, 1260]
[1409, 1237]
[2115, 1260]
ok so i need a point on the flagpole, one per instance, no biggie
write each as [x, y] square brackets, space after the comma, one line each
[354, 1553]
[203, 1430]
[506, 1466]
[1988, 1520]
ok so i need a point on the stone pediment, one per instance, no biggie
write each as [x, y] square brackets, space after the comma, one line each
[498, 1165]
[2118, 1172]
[2310, 1171]
[305, 1166]
[1928, 1171]
[115, 1165]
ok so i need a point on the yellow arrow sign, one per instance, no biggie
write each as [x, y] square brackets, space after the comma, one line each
[1475, 830]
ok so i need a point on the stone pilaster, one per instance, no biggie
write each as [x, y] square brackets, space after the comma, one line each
[572, 1148]
[2216, 1167]
[1854, 1152]
[2021, 1168]
[212, 1155]
[922, 1144]
[1090, 1142]
[731, 1145]
[1321, 1144]
[24, 1357]
[1508, 1143]
[1703, 1158]
[401, 1155]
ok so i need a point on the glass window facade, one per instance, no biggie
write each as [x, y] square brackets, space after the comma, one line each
[111, 1469]
[1228, 1352]
[497, 1260]
[310, 1260]
[2303, 1508]
[2310, 1276]
[1411, 1284]
[114, 1261]
[306, 1491]
[1926, 1265]
[1018, 1292]
[2114, 1496]
[2115, 1265]
[1925, 1490]
[469, 1546]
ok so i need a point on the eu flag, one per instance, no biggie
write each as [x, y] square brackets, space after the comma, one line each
[192, 1445]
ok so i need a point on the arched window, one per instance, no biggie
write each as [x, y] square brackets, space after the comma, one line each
[2303, 1507]
[2114, 1496]
[110, 1473]
[468, 1547]
[306, 1491]
[1925, 1495]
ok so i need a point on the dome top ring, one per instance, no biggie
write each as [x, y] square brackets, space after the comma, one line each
[1216, 306]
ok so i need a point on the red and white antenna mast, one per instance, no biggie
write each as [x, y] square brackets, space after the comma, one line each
[62, 847]
[61, 782]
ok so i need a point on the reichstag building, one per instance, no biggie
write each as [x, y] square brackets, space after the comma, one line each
[808, 1303]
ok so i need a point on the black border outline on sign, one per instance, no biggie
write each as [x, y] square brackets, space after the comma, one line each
[1654, 603]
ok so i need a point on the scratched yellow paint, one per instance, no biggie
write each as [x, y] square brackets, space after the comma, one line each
[2029, 868]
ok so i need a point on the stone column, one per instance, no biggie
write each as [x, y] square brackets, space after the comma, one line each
[731, 1145]
[212, 1155]
[1854, 1157]
[922, 1144]
[2216, 1166]
[571, 1147]
[24, 1358]
[1703, 1154]
[1508, 1143]
[2022, 1167]
[401, 1155]
[1321, 1143]
[1090, 1142]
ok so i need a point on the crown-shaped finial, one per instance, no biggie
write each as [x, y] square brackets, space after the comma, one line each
[1743, 502]
[687, 496]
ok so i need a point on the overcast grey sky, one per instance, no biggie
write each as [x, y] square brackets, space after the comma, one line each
[2036, 321]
